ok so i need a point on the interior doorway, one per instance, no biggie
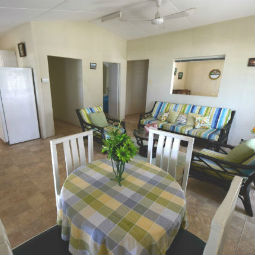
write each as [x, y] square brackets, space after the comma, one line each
[136, 88]
[111, 83]
[66, 84]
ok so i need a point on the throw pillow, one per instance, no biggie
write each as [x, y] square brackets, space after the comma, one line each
[162, 116]
[172, 116]
[181, 119]
[98, 119]
[241, 152]
[192, 119]
[202, 122]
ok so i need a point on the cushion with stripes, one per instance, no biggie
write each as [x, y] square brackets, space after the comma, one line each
[86, 111]
[212, 134]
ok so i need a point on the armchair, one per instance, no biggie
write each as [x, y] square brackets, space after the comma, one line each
[211, 166]
[99, 133]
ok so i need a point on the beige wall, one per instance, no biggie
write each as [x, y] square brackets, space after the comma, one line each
[136, 86]
[79, 40]
[196, 77]
[66, 88]
[85, 41]
[233, 38]
[180, 83]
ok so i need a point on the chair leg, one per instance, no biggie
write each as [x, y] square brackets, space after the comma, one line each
[246, 199]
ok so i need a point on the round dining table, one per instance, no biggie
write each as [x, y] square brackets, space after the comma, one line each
[142, 216]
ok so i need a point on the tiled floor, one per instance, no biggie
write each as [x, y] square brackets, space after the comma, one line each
[27, 200]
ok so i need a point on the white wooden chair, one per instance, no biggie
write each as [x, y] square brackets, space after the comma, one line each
[5, 247]
[74, 152]
[186, 243]
[222, 217]
[168, 147]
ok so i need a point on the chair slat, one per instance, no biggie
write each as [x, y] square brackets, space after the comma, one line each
[150, 147]
[90, 147]
[54, 158]
[76, 160]
[187, 164]
[166, 154]
[174, 157]
[159, 151]
[82, 151]
[68, 158]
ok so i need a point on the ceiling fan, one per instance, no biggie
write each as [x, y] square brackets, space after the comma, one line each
[158, 18]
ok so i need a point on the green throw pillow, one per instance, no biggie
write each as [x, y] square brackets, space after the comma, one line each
[191, 119]
[241, 152]
[172, 116]
[98, 119]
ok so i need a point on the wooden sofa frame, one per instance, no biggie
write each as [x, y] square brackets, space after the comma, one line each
[85, 126]
[222, 181]
[215, 145]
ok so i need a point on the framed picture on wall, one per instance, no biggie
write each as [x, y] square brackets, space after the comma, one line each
[22, 49]
[251, 62]
[180, 75]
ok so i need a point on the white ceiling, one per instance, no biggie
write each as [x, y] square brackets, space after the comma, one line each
[16, 12]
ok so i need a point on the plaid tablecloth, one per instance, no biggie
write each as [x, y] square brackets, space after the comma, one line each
[140, 217]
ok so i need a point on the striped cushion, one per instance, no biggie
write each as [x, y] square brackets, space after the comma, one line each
[178, 128]
[176, 107]
[151, 120]
[156, 109]
[86, 111]
[160, 107]
[212, 134]
[190, 108]
[219, 117]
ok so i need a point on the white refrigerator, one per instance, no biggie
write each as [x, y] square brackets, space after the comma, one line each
[18, 112]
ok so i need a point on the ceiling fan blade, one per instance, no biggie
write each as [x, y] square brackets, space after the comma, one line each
[181, 14]
[135, 20]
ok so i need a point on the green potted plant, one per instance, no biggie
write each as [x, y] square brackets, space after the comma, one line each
[120, 149]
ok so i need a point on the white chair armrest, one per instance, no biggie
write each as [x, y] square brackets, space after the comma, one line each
[5, 247]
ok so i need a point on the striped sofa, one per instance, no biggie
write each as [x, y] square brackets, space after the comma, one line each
[99, 133]
[215, 136]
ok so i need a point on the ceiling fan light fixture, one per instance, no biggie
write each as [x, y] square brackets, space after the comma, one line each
[114, 15]
[158, 21]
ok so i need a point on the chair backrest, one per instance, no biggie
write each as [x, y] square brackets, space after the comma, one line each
[168, 146]
[221, 218]
[74, 152]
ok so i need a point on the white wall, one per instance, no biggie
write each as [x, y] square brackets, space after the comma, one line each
[136, 86]
[233, 38]
[66, 88]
